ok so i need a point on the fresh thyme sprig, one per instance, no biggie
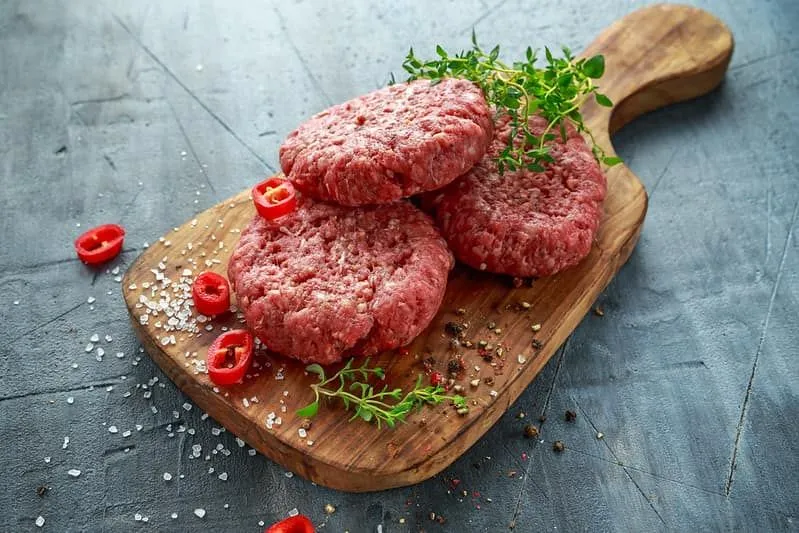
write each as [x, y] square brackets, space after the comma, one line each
[384, 406]
[521, 90]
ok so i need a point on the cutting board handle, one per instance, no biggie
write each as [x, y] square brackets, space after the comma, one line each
[656, 56]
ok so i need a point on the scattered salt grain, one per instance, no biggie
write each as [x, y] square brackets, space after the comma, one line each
[70, 400]
[521, 358]
[113, 429]
[294, 512]
[302, 433]
[108, 338]
[251, 452]
[91, 300]
[240, 442]
[94, 338]
[100, 352]
[199, 513]
[167, 476]
[66, 443]
[47, 459]
[289, 474]
[223, 476]
[126, 433]
[173, 516]
[187, 406]
[137, 517]
[89, 348]
[39, 521]
[74, 472]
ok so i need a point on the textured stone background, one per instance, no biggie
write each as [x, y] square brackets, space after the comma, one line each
[146, 113]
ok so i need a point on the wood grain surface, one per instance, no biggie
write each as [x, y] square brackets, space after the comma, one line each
[655, 56]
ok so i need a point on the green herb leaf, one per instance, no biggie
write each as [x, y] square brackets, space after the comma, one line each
[610, 161]
[309, 410]
[594, 67]
[603, 100]
[316, 369]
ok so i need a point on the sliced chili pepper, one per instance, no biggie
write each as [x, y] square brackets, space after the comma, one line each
[436, 378]
[292, 524]
[100, 244]
[274, 197]
[229, 357]
[211, 294]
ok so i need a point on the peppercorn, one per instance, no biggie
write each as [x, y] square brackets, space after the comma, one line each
[455, 365]
[558, 446]
[530, 431]
[454, 329]
[570, 416]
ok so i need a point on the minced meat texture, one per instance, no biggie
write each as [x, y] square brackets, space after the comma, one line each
[389, 144]
[325, 281]
[524, 223]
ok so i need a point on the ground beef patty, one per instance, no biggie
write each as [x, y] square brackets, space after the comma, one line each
[389, 144]
[326, 281]
[524, 223]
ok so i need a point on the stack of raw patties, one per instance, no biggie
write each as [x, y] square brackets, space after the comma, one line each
[355, 268]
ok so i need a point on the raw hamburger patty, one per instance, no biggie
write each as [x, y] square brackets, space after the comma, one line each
[524, 223]
[326, 281]
[389, 144]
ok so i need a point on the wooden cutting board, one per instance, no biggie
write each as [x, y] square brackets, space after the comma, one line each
[655, 56]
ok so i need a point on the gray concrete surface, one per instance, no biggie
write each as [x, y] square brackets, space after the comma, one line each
[145, 113]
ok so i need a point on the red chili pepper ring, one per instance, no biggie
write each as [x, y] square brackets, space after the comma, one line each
[211, 294]
[274, 197]
[229, 357]
[292, 524]
[100, 244]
